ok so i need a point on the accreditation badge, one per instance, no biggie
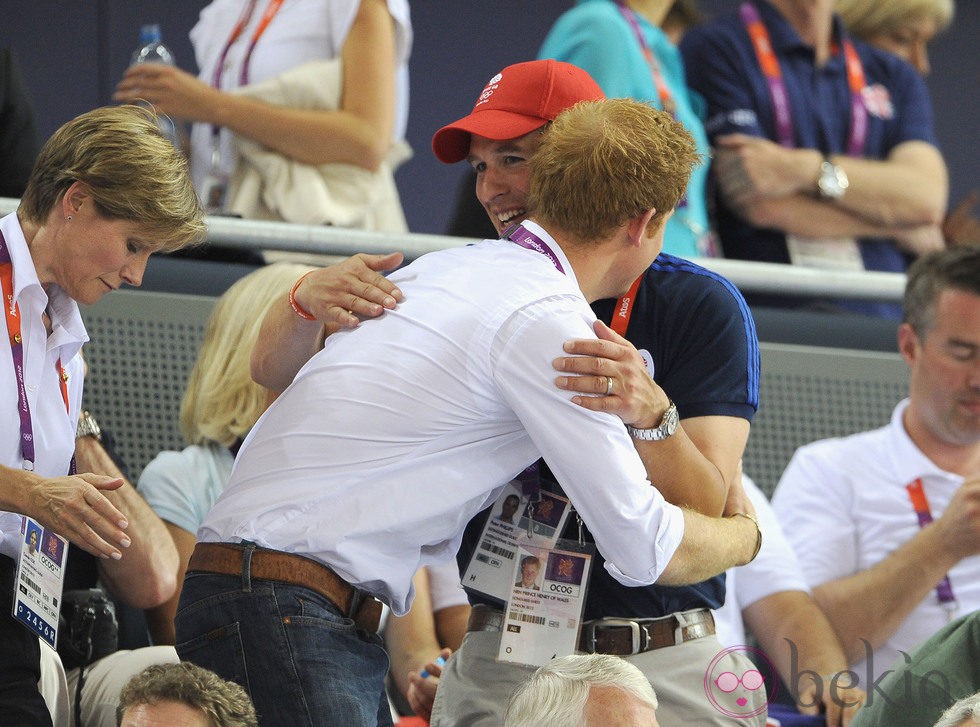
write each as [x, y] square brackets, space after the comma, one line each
[40, 580]
[516, 520]
[547, 597]
[215, 193]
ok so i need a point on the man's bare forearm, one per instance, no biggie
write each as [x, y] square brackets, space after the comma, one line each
[147, 575]
[710, 547]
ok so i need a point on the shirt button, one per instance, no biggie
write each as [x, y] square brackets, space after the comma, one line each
[32, 387]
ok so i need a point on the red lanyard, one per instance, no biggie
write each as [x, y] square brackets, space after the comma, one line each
[270, 12]
[12, 313]
[522, 236]
[624, 308]
[663, 92]
[762, 44]
[917, 495]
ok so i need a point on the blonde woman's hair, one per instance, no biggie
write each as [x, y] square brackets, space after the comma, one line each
[601, 163]
[222, 402]
[867, 18]
[130, 168]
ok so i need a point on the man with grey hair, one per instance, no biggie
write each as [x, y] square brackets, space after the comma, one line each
[584, 690]
[183, 695]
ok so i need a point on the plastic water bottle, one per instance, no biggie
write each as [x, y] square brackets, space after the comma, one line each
[152, 50]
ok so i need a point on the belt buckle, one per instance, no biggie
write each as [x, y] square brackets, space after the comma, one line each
[695, 629]
[639, 636]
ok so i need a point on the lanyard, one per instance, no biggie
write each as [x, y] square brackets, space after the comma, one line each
[663, 92]
[270, 12]
[917, 495]
[624, 308]
[522, 236]
[667, 102]
[12, 312]
[762, 44]
[530, 478]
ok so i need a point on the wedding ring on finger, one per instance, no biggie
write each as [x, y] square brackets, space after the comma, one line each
[609, 385]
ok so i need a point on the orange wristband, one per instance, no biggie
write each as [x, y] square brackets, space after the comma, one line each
[297, 308]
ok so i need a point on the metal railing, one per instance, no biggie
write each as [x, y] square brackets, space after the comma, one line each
[769, 278]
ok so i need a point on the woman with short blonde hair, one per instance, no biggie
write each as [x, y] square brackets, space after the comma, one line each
[220, 405]
[106, 192]
[902, 27]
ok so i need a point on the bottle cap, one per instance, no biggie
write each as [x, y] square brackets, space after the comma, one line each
[150, 34]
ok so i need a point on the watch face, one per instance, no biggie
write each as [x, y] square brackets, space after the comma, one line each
[670, 424]
[832, 182]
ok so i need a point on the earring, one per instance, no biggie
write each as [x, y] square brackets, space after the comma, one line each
[68, 218]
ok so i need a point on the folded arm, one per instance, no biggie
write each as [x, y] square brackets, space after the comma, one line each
[775, 187]
[872, 604]
[796, 635]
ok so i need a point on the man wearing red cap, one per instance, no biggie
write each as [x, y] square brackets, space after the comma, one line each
[397, 432]
[697, 338]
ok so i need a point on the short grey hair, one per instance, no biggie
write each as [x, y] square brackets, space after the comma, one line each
[966, 708]
[556, 694]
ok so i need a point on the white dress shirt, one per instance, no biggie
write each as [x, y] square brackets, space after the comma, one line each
[844, 508]
[393, 436]
[53, 426]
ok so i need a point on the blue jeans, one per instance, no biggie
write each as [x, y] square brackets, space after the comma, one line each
[302, 662]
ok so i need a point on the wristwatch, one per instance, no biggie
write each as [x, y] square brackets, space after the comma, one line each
[88, 427]
[832, 182]
[667, 426]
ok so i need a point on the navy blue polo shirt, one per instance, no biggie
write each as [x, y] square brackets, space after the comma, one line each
[722, 67]
[700, 334]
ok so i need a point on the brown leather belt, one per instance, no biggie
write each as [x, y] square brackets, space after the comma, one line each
[619, 636]
[623, 636]
[296, 570]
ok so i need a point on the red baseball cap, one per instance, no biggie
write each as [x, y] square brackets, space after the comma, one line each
[518, 100]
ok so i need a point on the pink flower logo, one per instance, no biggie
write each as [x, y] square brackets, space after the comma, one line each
[735, 690]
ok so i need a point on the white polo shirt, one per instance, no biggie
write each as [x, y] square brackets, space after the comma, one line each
[844, 508]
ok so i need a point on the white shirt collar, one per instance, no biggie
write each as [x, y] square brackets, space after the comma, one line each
[908, 460]
[538, 230]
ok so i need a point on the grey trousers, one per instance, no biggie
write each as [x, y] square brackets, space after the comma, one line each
[475, 687]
